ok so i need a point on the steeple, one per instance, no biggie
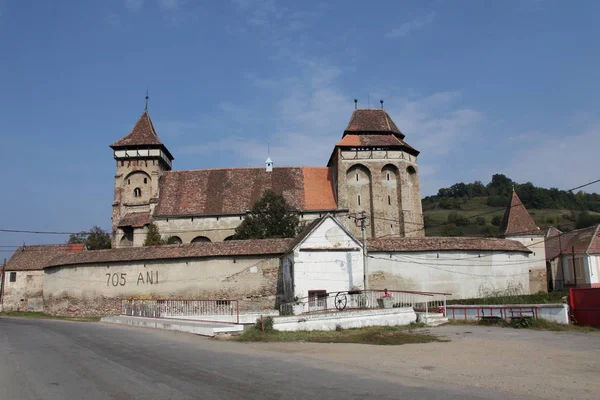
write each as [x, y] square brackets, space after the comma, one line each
[142, 141]
[372, 121]
[517, 220]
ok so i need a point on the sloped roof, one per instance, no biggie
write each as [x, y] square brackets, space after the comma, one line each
[235, 190]
[376, 140]
[194, 250]
[586, 240]
[31, 258]
[517, 220]
[136, 219]
[142, 134]
[366, 121]
[444, 243]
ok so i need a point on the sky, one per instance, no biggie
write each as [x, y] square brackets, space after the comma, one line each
[479, 87]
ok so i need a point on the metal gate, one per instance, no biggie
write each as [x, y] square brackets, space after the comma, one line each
[585, 306]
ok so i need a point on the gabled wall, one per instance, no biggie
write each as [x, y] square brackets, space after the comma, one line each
[25, 294]
[327, 259]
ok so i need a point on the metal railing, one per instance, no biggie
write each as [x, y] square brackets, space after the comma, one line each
[478, 312]
[425, 302]
[227, 311]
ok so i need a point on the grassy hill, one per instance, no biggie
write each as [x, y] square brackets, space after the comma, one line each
[475, 209]
[437, 218]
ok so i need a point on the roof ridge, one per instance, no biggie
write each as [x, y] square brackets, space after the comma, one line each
[247, 168]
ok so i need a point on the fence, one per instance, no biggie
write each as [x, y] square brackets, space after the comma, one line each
[585, 306]
[366, 299]
[227, 311]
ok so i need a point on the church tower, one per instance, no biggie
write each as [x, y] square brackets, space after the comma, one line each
[141, 160]
[374, 170]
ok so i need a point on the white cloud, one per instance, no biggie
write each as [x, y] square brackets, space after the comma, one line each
[169, 4]
[564, 160]
[410, 26]
[134, 5]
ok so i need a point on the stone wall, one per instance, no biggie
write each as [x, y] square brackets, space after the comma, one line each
[25, 294]
[384, 184]
[538, 277]
[96, 289]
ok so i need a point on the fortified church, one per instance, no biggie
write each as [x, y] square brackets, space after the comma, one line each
[371, 169]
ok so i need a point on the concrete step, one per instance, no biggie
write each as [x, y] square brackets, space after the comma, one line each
[196, 327]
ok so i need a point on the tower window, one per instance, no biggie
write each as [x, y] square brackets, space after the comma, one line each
[389, 200]
[129, 181]
[13, 276]
[145, 180]
[388, 176]
[359, 199]
[357, 177]
[137, 192]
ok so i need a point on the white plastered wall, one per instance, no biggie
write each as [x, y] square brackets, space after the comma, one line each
[464, 274]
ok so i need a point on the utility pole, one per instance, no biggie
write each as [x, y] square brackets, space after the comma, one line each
[363, 228]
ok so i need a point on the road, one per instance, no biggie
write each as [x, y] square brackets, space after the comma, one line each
[52, 360]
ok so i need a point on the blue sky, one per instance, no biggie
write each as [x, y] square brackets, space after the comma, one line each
[478, 87]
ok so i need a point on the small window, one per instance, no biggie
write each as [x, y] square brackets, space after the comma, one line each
[388, 176]
[13, 276]
[129, 181]
[359, 199]
[389, 200]
[137, 192]
[145, 180]
[122, 163]
[357, 177]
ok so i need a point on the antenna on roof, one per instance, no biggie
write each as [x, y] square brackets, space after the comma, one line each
[368, 100]
[381, 101]
[355, 104]
[147, 97]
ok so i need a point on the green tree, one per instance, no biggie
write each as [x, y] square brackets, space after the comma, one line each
[496, 220]
[269, 217]
[95, 239]
[153, 237]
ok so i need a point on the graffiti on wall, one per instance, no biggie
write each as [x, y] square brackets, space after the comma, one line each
[120, 279]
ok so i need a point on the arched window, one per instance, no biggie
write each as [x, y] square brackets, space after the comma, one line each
[200, 239]
[411, 170]
[137, 192]
[145, 180]
[228, 238]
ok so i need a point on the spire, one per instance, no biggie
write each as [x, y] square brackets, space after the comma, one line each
[517, 220]
[147, 97]
[142, 134]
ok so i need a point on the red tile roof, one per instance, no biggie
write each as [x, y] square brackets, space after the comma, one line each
[234, 190]
[586, 240]
[372, 121]
[31, 258]
[378, 140]
[517, 220]
[142, 134]
[444, 243]
[136, 220]
[263, 247]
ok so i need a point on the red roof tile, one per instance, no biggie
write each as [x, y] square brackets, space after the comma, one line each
[376, 140]
[372, 121]
[318, 189]
[517, 220]
[143, 135]
[234, 190]
[136, 220]
[195, 250]
[30, 258]
[444, 243]
[586, 240]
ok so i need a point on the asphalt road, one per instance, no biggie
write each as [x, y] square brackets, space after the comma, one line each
[52, 360]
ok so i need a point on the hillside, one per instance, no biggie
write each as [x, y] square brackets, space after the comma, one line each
[455, 211]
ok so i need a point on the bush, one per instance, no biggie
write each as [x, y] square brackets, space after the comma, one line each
[496, 220]
[480, 221]
[267, 322]
[452, 230]
[457, 219]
